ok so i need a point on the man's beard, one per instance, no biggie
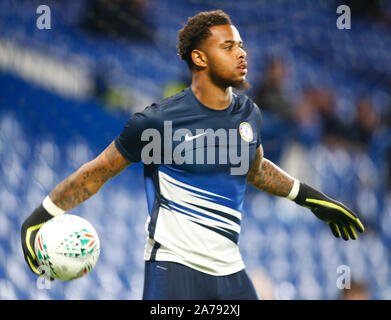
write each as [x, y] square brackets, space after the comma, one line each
[237, 84]
[241, 85]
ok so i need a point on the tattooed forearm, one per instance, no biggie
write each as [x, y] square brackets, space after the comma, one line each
[78, 187]
[266, 176]
[88, 179]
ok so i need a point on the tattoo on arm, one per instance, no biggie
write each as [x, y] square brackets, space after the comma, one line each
[88, 179]
[266, 176]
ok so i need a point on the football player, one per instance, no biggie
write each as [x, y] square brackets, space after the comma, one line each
[195, 198]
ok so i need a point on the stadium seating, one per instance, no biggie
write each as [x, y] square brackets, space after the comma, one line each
[45, 136]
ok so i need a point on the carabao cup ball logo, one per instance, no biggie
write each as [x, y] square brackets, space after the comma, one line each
[246, 132]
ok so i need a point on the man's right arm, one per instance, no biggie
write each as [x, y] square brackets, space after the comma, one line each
[74, 190]
[88, 179]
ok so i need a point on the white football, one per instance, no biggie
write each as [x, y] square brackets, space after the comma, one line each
[67, 246]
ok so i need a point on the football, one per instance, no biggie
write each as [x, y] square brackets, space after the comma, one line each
[67, 246]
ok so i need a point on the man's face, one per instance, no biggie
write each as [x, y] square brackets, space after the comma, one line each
[226, 59]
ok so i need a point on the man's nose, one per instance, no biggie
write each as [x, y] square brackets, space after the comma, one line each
[242, 53]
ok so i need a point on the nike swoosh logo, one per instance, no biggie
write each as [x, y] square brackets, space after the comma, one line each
[189, 138]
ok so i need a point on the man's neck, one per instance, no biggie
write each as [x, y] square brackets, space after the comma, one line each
[211, 95]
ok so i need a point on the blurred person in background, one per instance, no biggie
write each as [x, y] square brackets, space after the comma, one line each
[195, 209]
[262, 283]
[308, 118]
[333, 130]
[365, 124]
[357, 291]
[124, 19]
[317, 120]
[387, 127]
[276, 108]
[269, 95]
[380, 144]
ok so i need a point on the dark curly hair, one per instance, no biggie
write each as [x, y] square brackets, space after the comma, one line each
[197, 30]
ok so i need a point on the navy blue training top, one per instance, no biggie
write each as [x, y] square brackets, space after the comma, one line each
[196, 160]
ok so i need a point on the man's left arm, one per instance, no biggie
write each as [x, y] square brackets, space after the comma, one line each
[266, 176]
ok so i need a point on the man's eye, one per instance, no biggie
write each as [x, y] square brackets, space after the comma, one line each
[228, 48]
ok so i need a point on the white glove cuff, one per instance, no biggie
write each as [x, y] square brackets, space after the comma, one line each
[295, 190]
[51, 207]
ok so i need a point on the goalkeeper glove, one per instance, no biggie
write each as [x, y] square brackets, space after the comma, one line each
[30, 228]
[341, 219]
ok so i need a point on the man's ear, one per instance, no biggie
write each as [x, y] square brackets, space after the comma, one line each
[199, 58]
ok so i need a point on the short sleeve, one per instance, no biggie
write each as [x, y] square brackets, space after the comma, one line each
[129, 142]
